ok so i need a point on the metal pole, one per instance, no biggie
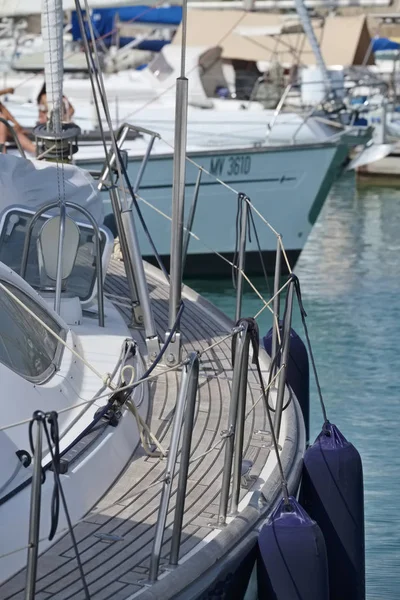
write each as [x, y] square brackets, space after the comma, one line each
[143, 164]
[278, 109]
[277, 301]
[169, 475]
[110, 156]
[178, 189]
[232, 420]
[190, 220]
[140, 277]
[61, 233]
[242, 257]
[193, 369]
[178, 198]
[137, 315]
[239, 433]
[34, 517]
[284, 358]
[115, 201]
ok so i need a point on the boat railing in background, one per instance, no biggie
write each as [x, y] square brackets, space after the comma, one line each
[348, 86]
[183, 420]
[120, 137]
[278, 108]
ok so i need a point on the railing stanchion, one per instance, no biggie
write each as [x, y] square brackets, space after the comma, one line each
[34, 517]
[276, 303]
[241, 361]
[184, 408]
[284, 360]
[239, 429]
[185, 456]
[242, 256]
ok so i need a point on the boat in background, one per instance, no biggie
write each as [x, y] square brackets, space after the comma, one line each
[109, 437]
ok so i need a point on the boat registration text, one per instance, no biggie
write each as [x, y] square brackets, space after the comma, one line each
[238, 164]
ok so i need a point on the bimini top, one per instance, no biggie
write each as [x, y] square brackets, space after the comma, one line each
[34, 183]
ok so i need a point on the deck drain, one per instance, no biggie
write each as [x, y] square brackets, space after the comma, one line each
[108, 537]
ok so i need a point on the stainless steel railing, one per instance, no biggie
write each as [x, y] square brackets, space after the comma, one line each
[184, 418]
[236, 420]
[97, 242]
[121, 135]
[141, 306]
[283, 362]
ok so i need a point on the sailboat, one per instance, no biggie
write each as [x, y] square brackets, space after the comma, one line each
[287, 172]
[108, 365]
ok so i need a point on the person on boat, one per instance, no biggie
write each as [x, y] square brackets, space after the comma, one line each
[5, 133]
[68, 109]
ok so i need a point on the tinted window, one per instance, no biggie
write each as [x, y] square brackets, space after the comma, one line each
[26, 346]
[12, 237]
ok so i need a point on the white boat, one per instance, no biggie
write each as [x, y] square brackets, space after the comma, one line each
[287, 170]
[84, 434]
[95, 406]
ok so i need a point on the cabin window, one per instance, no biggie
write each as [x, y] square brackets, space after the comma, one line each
[26, 346]
[13, 230]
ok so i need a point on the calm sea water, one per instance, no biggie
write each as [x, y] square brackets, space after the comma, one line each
[350, 276]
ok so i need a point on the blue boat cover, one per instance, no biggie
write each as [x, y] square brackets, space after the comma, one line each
[103, 20]
[382, 43]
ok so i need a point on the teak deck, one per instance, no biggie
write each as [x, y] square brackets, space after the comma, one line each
[117, 564]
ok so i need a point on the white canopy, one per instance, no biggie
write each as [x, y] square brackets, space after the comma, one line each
[33, 183]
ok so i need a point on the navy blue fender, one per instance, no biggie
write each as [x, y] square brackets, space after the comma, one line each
[292, 560]
[332, 492]
[298, 372]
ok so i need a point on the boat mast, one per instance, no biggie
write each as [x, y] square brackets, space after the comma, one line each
[310, 33]
[178, 197]
[55, 140]
[52, 32]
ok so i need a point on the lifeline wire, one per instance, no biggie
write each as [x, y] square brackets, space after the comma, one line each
[284, 485]
[303, 314]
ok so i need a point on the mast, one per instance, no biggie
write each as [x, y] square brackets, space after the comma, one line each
[309, 31]
[52, 32]
[55, 140]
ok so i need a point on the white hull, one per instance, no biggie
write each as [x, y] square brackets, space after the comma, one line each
[280, 182]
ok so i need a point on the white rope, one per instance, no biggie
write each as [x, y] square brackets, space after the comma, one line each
[99, 397]
[145, 430]
[132, 378]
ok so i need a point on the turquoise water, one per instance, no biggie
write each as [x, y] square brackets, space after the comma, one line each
[350, 276]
